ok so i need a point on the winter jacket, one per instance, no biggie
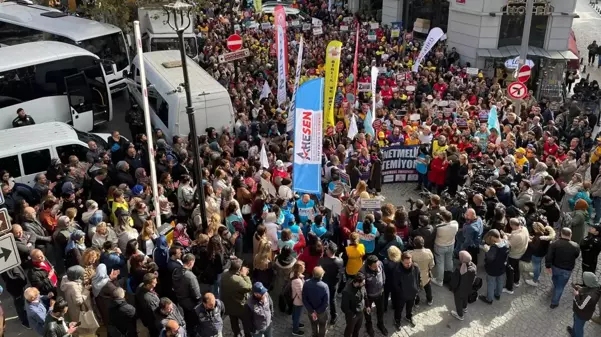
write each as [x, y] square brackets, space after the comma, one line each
[176, 315]
[406, 282]
[445, 234]
[578, 224]
[355, 254]
[472, 234]
[438, 171]
[382, 246]
[425, 261]
[147, 302]
[260, 313]
[462, 285]
[36, 314]
[316, 296]
[210, 322]
[348, 222]
[282, 273]
[39, 278]
[539, 245]
[495, 259]
[562, 254]
[333, 267]
[76, 296]
[590, 247]
[186, 288]
[585, 302]
[235, 290]
[54, 327]
[518, 242]
[374, 280]
[122, 316]
[296, 285]
[522, 198]
[353, 300]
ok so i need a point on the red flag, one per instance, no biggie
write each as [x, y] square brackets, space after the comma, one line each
[356, 60]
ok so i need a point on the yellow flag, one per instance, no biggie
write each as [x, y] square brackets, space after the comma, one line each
[258, 6]
[331, 82]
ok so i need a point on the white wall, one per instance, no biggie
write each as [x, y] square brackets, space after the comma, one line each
[392, 11]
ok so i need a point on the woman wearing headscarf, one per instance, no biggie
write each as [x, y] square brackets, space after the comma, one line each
[537, 180]
[462, 281]
[585, 298]
[75, 248]
[580, 217]
[77, 296]
[141, 177]
[103, 288]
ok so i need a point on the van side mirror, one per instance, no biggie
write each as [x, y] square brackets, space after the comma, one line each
[108, 67]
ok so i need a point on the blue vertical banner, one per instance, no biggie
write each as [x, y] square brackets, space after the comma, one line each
[308, 137]
[493, 119]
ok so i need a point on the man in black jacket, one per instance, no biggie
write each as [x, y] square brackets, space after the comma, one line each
[334, 268]
[122, 316]
[552, 189]
[187, 291]
[560, 261]
[26, 242]
[353, 305]
[406, 284]
[147, 303]
[55, 325]
[590, 247]
[375, 278]
[167, 311]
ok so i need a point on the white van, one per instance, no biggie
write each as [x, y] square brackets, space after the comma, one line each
[28, 150]
[167, 98]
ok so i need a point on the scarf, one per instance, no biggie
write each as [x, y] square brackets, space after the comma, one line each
[100, 279]
[45, 266]
[466, 259]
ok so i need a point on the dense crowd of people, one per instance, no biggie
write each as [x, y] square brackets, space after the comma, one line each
[506, 198]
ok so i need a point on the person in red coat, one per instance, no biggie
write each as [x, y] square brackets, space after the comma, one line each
[438, 171]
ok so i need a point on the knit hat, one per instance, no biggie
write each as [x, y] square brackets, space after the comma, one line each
[137, 190]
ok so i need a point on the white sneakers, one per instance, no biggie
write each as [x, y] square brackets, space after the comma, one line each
[532, 283]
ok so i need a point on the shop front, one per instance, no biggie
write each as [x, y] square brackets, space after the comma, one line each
[489, 36]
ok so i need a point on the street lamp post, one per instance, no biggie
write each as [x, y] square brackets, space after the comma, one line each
[178, 18]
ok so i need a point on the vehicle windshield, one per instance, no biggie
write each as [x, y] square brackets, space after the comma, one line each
[109, 47]
[86, 137]
[166, 43]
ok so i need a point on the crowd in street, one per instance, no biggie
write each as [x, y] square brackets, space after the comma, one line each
[515, 199]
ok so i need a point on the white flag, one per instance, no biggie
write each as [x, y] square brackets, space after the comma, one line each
[433, 37]
[352, 129]
[265, 91]
[292, 109]
[374, 82]
[264, 160]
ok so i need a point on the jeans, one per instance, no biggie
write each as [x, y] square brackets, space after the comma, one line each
[266, 332]
[560, 279]
[536, 267]
[297, 310]
[319, 326]
[494, 286]
[216, 286]
[353, 324]
[443, 257]
[578, 328]
[597, 207]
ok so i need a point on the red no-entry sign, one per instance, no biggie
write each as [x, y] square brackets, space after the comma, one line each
[524, 73]
[234, 42]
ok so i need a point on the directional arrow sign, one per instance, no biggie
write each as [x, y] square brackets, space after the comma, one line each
[9, 257]
[517, 90]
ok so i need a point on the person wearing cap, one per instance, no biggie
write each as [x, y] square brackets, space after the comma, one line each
[521, 161]
[590, 247]
[279, 171]
[260, 311]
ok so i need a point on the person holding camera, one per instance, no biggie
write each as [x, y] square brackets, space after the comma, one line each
[235, 291]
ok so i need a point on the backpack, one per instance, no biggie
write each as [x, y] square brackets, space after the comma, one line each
[286, 300]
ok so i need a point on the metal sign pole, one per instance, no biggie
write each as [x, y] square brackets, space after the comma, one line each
[153, 171]
[525, 43]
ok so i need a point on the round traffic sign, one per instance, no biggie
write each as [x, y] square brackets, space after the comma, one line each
[234, 42]
[524, 73]
[517, 90]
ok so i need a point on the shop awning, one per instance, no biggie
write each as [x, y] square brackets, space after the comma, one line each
[513, 51]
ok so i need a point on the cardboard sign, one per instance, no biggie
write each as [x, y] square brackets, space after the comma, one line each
[266, 25]
[370, 205]
[371, 36]
[395, 33]
[344, 28]
[318, 30]
[315, 22]
[332, 204]
[374, 25]
[483, 116]
[472, 71]
[363, 87]
[295, 23]
[306, 27]
[410, 88]
[461, 123]
[382, 70]
[348, 19]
